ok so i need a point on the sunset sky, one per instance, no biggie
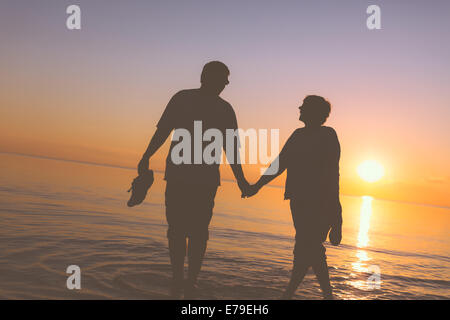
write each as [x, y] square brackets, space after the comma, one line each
[96, 94]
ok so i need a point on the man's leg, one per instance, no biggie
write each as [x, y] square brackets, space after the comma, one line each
[176, 235]
[177, 252]
[196, 252]
[199, 235]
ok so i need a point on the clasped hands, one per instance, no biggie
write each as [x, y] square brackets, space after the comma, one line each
[248, 190]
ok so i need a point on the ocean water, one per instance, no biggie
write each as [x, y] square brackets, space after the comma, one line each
[59, 213]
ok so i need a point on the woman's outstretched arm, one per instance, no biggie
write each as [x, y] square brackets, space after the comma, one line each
[276, 168]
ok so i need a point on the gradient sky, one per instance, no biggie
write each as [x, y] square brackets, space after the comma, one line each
[96, 94]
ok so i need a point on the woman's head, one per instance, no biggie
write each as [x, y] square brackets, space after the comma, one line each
[314, 111]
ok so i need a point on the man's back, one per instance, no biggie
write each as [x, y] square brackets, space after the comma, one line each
[194, 112]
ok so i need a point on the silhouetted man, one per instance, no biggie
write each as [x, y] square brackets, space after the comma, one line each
[191, 186]
[311, 158]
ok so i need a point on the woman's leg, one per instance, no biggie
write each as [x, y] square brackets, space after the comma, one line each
[320, 268]
[299, 271]
[311, 232]
[301, 261]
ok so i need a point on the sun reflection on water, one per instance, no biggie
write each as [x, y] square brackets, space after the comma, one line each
[361, 265]
[364, 222]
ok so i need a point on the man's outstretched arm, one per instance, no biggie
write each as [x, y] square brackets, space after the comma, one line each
[234, 159]
[158, 139]
[240, 178]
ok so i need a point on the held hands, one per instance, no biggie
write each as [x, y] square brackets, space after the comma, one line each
[244, 187]
[250, 191]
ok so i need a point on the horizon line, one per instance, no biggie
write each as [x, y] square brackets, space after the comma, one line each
[100, 164]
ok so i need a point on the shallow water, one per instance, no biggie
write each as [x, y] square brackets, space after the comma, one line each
[58, 213]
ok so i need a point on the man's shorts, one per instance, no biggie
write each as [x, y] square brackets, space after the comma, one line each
[189, 208]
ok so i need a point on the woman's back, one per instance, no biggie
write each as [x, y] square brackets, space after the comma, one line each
[311, 156]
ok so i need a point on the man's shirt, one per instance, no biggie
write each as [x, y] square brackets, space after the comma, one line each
[186, 107]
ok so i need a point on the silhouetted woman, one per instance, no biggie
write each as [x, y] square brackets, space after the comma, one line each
[311, 158]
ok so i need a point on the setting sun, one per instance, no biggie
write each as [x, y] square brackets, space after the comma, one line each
[370, 171]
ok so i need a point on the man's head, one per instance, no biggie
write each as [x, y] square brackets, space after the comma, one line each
[214, 77]
[314, 111]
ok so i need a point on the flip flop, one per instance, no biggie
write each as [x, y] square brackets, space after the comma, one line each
[139, 188]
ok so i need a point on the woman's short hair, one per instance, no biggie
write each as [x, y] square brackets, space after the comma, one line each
[320, 108]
